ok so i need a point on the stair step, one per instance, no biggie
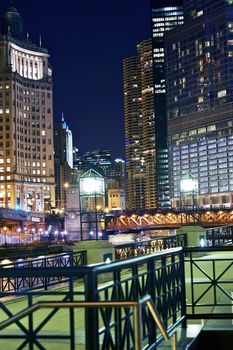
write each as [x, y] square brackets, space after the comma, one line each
[185, 336]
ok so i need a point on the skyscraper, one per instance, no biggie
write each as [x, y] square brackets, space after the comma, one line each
[26, 120]
[200, 101]
[140, 129]
[166, 14]
[63, 161]
[63, 142]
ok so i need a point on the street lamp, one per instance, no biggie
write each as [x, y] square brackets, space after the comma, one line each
[33, 233]
[40, 232]
[65, 235]
[92, 202]
[19, 231]
[188, 187]
[4, 230]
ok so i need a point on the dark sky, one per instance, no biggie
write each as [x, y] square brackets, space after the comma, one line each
[87, 41]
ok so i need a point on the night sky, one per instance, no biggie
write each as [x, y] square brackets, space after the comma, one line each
[87, 41]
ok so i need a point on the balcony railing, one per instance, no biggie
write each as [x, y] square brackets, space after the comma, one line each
[160, 275]
[183, 283]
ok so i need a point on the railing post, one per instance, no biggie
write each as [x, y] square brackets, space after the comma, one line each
[152, 288]
[164, 243]
[213, 236]
[174, 341]
[91, 315]
[137, 327]
[182, 276]
[118, 313]
[30, 325]
[72, 318]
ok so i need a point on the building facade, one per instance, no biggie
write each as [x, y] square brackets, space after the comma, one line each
[26, 120]
[200, 101]
[116, 200]
[166, 15]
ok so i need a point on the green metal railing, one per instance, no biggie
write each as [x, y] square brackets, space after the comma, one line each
[137, 311]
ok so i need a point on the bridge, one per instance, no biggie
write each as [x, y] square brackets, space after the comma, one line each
[171, 219]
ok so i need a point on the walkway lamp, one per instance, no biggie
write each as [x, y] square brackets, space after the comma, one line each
[19, 231]
[188, 190]
[4, 230]
[92, 204]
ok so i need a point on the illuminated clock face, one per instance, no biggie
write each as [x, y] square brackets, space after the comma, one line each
[91, 186]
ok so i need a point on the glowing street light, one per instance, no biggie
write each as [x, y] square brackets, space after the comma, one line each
[188, 187]
[188, 184]
[4, 230]
[65, 235]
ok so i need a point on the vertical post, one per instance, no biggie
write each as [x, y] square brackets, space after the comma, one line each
[91, 314]
[30, 325]
[72, 316]
[213, 236]
[174, 341]
[96, 219]
[137, 327]
[152, 288]
[182, 277]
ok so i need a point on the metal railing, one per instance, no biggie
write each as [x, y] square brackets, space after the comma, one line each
[20, 283]
[219, 235]
[125, 251]
[160, 275]
[137, 311]
[209, 282]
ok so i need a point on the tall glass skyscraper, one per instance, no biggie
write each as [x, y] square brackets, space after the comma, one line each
[166, 15]
[200, 101]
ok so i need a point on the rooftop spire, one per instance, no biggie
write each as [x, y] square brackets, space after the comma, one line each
[12, 19]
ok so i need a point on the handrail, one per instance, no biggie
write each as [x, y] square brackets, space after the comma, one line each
[136, 305]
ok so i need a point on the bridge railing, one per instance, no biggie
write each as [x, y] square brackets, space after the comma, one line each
[125, 251]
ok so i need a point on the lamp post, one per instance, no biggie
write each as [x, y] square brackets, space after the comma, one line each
[188, 187]
[65, 235]
[4, 230]
[33, 234]
[40, 232]
[92, 202]
[19, 231]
